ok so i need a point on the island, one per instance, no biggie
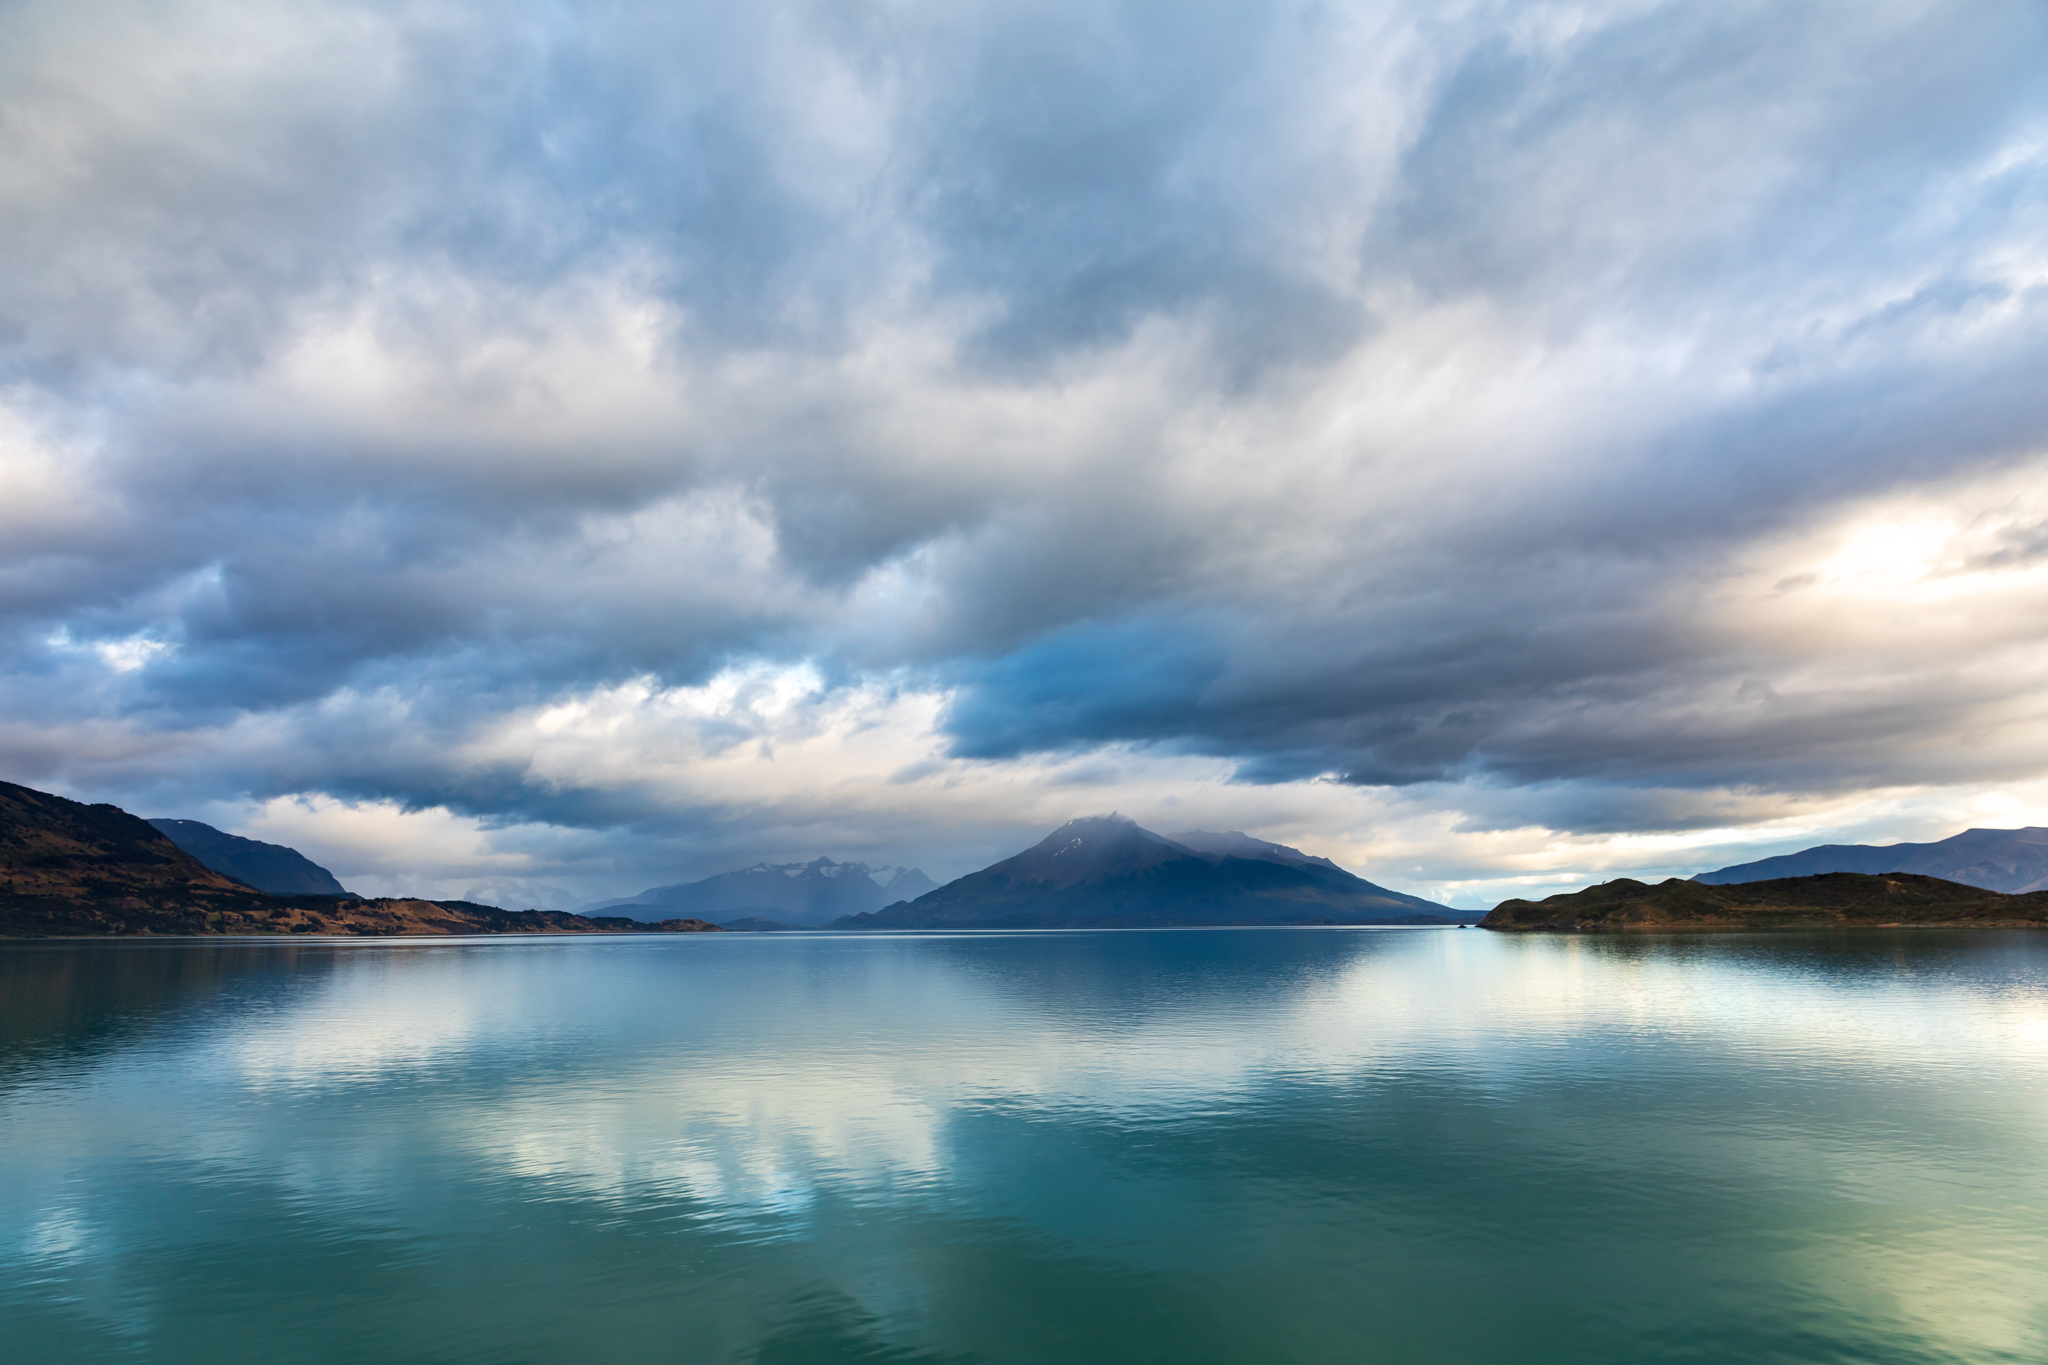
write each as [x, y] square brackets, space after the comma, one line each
[1830, 900]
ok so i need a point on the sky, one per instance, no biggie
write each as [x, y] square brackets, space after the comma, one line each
[550, 450]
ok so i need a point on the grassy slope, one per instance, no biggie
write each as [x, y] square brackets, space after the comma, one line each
[1829, 900]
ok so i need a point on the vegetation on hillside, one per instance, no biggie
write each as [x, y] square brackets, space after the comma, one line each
[1829, 900]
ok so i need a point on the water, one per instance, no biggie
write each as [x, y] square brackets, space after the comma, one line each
[1228, 1145]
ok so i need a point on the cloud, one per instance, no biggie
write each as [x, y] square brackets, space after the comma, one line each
[1605, 422]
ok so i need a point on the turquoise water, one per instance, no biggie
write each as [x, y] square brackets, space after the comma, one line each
[1223, 1145]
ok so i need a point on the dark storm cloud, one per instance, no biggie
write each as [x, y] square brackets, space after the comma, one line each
[1388, 394]
[1083, 169]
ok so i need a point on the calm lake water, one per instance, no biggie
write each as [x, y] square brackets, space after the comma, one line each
[1224, 1145]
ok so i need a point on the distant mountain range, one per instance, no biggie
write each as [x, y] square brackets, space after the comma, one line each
[266, 867]
[67, 868]
[797, 895]
[2013, 861]
[1106, 871]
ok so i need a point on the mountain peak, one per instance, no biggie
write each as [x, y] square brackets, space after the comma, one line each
[1107, 871]
[1094, 826]
[1090, 848]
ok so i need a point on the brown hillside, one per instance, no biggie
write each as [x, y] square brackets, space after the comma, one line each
[54, 848]
[71, 869]
[1830, 900]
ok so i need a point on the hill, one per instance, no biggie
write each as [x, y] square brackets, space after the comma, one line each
[266, 867]
[796, 894]
[67, 868]
[2013, 861]
[54, 849]
[1106, 871]
[1826, 901]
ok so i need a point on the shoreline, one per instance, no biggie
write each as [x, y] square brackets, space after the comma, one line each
[1830, 926]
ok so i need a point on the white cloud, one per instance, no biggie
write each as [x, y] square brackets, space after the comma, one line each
[658, 438]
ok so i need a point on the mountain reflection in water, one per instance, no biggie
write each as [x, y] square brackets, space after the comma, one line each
[1227, 1145]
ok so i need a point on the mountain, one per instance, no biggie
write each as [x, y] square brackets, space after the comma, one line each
[54, 849]
[266, 867]
[1107, 872]
[797, 894]
[70, 869]
[2008, 860]
[1829, 900]
[1238, 844]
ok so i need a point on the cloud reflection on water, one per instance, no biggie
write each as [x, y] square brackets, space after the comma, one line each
[557, 1077]
[1074, 1087]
